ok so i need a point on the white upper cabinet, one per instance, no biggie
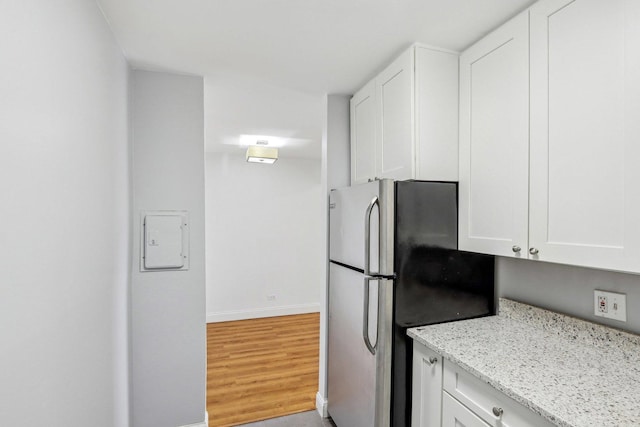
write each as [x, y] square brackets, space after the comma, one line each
[585, 132]
[363, 134]
[583, 192]
[394, 94]
[414, 115]
[494, 141]
[436, 112]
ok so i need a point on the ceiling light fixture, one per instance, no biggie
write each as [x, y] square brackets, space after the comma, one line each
[270, 140]
[261, 154]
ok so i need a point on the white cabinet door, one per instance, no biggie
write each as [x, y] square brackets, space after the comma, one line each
[426, 396]
[436, 103]
[585, 132]
[455, 414]
[394, 97]
[494, 142]
[363, 135]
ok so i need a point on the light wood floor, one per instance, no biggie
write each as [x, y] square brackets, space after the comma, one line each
[261, 368]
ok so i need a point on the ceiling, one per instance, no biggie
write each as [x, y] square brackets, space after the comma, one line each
[238, 107]
[267, 62]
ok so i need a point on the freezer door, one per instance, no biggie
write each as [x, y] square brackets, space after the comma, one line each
[359, 382]
[350, 208]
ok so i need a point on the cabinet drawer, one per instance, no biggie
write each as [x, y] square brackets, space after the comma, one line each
[455, 414]
[481, 398]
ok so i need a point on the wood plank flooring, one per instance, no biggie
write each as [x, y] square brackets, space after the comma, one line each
[261, 368]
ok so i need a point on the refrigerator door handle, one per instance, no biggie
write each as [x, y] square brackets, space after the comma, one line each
[365, 318]
[367, 235]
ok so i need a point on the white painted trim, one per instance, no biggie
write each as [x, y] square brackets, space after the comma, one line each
[431, 47]
[321, 405]
[225, 316]
[203, 424]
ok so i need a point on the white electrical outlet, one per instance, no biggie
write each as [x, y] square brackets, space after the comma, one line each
[271, 297]
[610, 305]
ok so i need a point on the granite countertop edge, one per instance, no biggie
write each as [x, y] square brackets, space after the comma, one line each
[489, 380]
[523, 319]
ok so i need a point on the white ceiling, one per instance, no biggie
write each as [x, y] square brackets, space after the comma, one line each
[242, 105]
[267, 62]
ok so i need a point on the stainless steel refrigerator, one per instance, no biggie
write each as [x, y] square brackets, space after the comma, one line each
[394, 264]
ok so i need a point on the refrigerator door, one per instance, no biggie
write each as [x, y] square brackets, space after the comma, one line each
[350, 208]
[359, 382]
[351, 367]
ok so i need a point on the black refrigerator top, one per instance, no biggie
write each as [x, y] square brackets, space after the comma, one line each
[434, 281]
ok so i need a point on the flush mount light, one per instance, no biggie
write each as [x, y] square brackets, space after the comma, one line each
[270, 140]
[261, 154]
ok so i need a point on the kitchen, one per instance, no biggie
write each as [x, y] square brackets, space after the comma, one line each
[94, 184]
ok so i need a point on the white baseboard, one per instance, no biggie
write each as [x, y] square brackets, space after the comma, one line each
[321, 405]
[203, 424]
[286, 310]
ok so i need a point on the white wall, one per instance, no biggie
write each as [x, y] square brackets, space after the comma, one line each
[336, 155]
[168, 366]
[338, 140]
[65, 217]
[264, 237]
[567, 289]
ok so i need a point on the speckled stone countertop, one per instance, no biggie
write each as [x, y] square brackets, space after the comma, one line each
[572, 372]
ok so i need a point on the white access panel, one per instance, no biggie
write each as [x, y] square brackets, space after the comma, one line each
[164, 241]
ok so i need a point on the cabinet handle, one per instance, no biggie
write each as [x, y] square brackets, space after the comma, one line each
[497, 411]
[431, 361]
[533, 251]
[516, 249]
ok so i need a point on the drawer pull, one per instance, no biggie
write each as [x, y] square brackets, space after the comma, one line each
[516, 249]
[431, 361]
[497, 411]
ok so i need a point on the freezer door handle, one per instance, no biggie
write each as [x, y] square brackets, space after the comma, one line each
[367, 235]
[365, 318]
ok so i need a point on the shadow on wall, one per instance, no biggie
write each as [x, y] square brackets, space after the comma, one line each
[567, 289]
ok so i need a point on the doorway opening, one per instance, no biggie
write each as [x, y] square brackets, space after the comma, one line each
[261, 368]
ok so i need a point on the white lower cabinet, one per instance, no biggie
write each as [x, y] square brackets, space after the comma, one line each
[455, 414]
[444, 394]
[426, 393]
[492, 406]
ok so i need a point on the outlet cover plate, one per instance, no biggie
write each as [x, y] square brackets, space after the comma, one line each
[611, 305]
